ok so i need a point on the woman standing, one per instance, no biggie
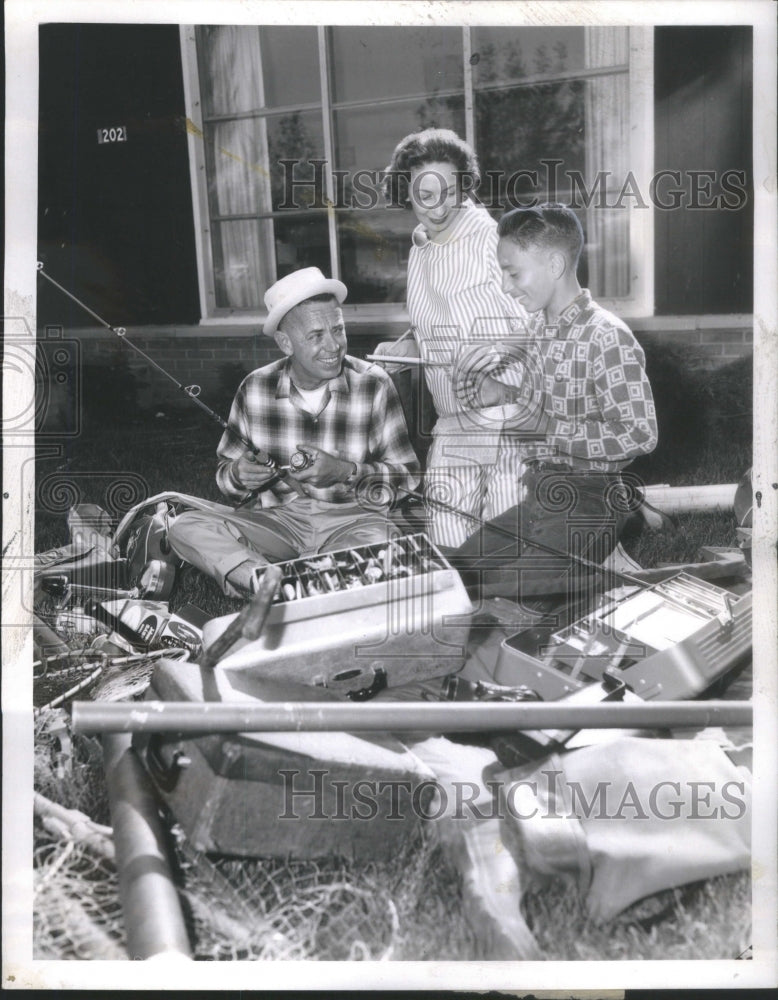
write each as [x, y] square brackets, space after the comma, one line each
[455, 302]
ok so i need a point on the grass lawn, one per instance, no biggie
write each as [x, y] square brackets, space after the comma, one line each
[115, 464]
[118, 466]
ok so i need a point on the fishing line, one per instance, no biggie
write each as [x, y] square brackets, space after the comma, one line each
[190, 391]
[515, 536]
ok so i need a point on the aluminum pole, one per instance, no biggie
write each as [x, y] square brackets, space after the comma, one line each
[153, 920]
[441, 717]
[687, 499]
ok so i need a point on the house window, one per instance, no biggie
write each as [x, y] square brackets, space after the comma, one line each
[291, 126]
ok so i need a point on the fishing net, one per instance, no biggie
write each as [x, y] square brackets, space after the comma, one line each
[234, 909]
[56, 680]
[86, 672]
[76, 910]
[265, 909]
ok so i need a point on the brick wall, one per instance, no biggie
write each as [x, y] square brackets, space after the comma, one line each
[212, 361]
[215, 358]
[204, 356]
[708, 348]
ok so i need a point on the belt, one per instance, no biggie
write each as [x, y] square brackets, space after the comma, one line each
[286, 498]
[549, 465]
[544, 465]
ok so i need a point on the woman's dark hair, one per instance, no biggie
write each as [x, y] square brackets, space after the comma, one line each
[551, 227]
[433, 145]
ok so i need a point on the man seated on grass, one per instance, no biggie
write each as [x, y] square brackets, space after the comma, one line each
[347, 415]
[584, 409]
[342, 412]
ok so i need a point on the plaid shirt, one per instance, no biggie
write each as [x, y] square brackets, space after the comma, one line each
[361, 420]
[586, 397]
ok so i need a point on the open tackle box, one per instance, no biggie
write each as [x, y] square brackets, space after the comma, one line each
[360, 619]
[669, 641]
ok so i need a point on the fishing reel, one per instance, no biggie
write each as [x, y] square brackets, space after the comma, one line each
[300, 461]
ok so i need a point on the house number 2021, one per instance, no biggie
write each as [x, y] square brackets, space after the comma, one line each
[117, 134]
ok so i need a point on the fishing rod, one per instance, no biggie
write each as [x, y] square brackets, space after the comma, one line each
[192, 392]
[280, 472]
[517, 537]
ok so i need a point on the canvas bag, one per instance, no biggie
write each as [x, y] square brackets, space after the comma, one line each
[630, 844]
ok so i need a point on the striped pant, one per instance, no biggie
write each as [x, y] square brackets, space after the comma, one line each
[478, 491]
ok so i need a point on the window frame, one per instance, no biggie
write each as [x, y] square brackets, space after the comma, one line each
[638, 304]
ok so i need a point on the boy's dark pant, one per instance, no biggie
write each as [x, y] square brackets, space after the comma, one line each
[569, 514]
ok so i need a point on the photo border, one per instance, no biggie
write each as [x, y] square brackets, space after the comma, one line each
[19, 969]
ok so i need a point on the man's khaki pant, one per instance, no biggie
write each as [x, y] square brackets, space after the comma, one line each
[225, 543]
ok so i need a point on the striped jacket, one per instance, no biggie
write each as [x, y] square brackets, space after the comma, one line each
[455, 298]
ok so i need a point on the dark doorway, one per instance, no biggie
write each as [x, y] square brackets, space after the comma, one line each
[115, 207]
[703, 128]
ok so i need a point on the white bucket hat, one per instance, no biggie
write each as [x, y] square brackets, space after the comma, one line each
[295, 288]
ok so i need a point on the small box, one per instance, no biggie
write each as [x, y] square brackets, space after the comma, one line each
[152, 625]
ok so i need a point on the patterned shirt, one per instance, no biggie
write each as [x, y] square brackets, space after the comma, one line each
[361, 420]
[454, 298]
[589, 401]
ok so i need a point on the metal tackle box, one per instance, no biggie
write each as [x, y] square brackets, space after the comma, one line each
[301, 795]
[669, 641]
[361, 619]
